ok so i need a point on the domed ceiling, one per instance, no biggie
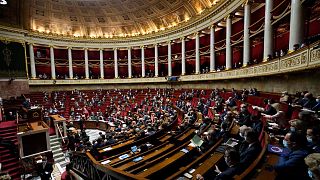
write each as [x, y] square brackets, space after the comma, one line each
[110, 18]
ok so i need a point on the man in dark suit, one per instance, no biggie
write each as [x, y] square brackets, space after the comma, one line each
[249, 153]
[45, 169]
[292, 165]
[231, 158]
[244, 116]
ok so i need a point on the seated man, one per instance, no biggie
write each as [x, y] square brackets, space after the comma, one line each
[291, 165]
[232, 159]
[244, 116]
[313, 138]
[251, 149]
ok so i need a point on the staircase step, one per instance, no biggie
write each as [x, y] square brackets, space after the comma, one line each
[60, 159]
[8, 131]
[11, 133]
[55, 151]
[58, 155]
[8, 160]
[57, 143]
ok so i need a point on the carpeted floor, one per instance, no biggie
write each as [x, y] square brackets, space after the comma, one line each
[6, 124]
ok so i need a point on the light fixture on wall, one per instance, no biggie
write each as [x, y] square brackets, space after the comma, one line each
[3, 2]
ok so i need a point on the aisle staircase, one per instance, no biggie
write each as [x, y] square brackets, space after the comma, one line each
[59, 157]
[9, 160]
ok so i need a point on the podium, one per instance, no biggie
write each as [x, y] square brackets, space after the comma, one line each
[58, 120]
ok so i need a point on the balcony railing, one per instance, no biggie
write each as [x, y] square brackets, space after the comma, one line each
[302, 59]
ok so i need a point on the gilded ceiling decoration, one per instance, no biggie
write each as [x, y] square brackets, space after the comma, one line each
[110, 18]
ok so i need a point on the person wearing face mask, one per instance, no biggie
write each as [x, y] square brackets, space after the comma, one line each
[316, 107]
[251, 149]
[313, 163]
[244, 116]
[313, 138]
[232, 159]
[291, 165]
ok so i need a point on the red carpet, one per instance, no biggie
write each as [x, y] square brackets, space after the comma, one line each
[10, 162]
[52, 131]
[7, 124]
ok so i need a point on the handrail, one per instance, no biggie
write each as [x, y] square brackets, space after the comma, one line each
[275, 8]
[62, 137]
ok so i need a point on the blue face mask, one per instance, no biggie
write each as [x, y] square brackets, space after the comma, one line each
[309, 139]
[310, 174]
[292, 129]
[285, 143]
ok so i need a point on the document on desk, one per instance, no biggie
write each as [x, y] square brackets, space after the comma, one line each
[107, 149]
[196, 141]
[184, 150]
[105, 162]
[123, 156]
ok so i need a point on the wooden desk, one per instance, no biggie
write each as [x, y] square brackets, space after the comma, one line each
[148, 156]
[266, 174]
[208, 164]
[165, 163]
[38, 126]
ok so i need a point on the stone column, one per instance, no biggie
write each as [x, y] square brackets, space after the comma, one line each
[86, 62]
[296, 24]
[156, 61]
[169, 59]
[143, 66]
[53, 66]
[228, 43]
[129, 63]
[101, 64]
[212, 50]
[115, 56]
[246, 34]
[32, 62]
[197, 53]
[70, 63]
[183, 56]
[268, 37]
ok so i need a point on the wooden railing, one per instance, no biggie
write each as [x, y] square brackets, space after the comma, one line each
[60, 133]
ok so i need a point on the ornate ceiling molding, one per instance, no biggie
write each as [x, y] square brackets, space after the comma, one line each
[203, 21]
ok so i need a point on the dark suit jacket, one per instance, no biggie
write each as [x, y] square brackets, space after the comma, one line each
[228, 173]
[249, 154]
[45, 170]
[292, 165]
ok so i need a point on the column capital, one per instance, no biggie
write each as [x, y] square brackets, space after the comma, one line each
[169, 42]
[100, 49]
[196, 33]
[182, 38]
[247, 2]
[213, 26]
[142, 47]
[86, 49]
[229, 16]
[69, 47]
[115, 48]
[51, 46]
[30, 43]
[129, 48]
[156, 45]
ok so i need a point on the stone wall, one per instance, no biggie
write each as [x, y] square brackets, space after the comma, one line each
[13, 88]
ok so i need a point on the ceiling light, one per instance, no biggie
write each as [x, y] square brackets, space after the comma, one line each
[3, 2]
